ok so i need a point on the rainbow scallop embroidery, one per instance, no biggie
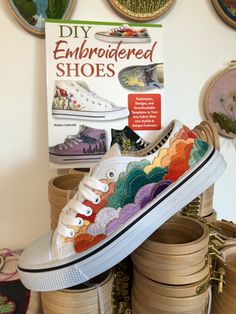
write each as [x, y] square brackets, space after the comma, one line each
[136, 187]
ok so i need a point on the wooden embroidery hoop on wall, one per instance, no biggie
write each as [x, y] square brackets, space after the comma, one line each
[123, 8]
[224, 13]
[30, 28]
[226, 118]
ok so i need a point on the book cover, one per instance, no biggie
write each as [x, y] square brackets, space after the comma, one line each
[105, 85]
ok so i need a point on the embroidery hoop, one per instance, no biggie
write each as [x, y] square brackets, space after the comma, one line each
[1, 262]
[224, 14]
[30, 28]
[133, 15]
[206, 105]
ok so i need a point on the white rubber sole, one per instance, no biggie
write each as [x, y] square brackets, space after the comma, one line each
[71, 159]
[106, 254]
[91, 115]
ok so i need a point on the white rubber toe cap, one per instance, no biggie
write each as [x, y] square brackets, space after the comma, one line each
[37, 254]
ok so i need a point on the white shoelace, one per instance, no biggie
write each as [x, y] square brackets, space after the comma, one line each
[75, 206]
[101, 101]
[70, 141]
[120, 28]
[83, 92]
[142, 142]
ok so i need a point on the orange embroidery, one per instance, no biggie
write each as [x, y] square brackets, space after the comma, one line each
[85, 241]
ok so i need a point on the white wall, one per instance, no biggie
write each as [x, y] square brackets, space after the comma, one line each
[197, 45]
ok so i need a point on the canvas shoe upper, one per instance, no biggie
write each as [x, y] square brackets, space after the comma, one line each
[87, 144]
[74, 100]
[126, 34]
[123, 200]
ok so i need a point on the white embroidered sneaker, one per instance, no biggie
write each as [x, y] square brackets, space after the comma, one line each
[123, 200]
[124, 34]
[75, 101]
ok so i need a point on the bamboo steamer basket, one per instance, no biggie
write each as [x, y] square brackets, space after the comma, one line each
[169, 303]
[80, 299]
[181, 265]
[176, 291]
[172, 256]
[155, 303]
[227, 228]
[229, 255]
[210, 218]
[222, 305]
[226, 301]
[216, 308]
[138, 308]
[60, 190]
[170, 279]
[168, 240]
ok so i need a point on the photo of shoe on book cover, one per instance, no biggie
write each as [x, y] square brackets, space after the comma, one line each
[105, 85]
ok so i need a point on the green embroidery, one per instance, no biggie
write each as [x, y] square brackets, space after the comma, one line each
[129, 183]
[126, 145]
[198, 150]
[226, 123]
[6, 306]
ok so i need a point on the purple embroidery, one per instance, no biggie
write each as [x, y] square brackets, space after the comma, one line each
[143, 197]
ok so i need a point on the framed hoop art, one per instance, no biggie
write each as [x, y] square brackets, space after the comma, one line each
[220, 101]
[31, 14]
[141, 10]
[226, 9]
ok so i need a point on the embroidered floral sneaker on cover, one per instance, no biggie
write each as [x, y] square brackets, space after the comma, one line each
[74, 100]
[123, 200]
[126, 34]
[88, 144]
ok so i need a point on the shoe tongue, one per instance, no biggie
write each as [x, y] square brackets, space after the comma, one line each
[114, 151]
[82, 128]
[83, 86]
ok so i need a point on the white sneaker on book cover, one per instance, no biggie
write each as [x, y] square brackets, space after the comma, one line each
[122, 201]
[74, 100]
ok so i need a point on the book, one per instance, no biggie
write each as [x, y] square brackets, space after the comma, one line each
[101, 76]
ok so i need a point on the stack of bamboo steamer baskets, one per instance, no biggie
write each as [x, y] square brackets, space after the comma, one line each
[172, 269]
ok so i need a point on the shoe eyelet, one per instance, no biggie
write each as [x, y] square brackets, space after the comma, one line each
[97, 200]
[80, 222]
[105, 188]
[111, 174]
[89, 212]
[71, 233]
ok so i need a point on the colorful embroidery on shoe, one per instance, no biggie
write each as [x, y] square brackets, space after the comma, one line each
[63, 100]
[139, 185]
[85, 241]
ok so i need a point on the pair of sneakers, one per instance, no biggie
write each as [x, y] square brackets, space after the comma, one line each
[119, 204]
[89, 144]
